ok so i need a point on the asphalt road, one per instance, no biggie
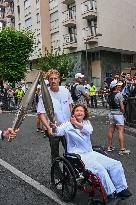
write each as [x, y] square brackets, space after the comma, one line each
[25, 163]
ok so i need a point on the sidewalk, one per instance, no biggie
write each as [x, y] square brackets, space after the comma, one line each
[104, 112]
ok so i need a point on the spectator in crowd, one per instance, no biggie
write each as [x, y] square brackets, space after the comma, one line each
[20, 94]
[39, 124]
[86, 86]
[92, 93]
[79, 93]
[116, 117]
[23, 86]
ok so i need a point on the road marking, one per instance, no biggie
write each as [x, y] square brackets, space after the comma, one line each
[31, 115]
[33, 183]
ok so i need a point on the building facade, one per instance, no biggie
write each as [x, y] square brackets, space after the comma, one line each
[100, 34]
[7, 15]
[33, 15]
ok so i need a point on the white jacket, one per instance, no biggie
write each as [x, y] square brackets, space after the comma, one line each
[78, 140]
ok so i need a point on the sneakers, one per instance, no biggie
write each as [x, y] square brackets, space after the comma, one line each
[124, 151]
[124, 194]
[38, 130]
[110, 149]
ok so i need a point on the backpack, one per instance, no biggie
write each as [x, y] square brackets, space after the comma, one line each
[111, 101]
[74, 96]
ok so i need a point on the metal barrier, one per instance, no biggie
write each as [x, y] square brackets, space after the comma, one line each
[131, 112]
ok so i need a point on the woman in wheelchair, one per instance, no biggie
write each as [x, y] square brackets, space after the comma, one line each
[77, 133]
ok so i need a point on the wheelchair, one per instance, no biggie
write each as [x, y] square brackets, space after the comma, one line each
[68, 175]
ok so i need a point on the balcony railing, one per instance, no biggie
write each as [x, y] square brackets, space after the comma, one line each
[2, 17]
[55, 44]
[9, 1]
[70, 40]
[3, 4]
[89, 9]
[68, 1]
[9, 12]
[90, 34]
[69, 17]
[54, 26]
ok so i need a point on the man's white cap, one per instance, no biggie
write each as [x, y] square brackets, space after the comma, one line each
[79, 75]
[119, 83]
[113, 84]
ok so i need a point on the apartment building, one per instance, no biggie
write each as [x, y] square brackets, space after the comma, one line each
[33, 15]
[7, 16]
[100, 34]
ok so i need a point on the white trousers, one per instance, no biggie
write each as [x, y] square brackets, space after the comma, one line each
[110, 171]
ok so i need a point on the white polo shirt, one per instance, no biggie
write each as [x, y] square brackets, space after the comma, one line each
[61, 101]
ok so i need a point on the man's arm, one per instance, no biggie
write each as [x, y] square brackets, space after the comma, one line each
[45, 122]
[84, 92]
[122, 107]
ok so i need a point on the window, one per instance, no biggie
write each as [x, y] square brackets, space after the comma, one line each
[38, 18]
[19, 26]
[126, 58]
[28, 23]
[18, 11]
[27, 3]
[54, 20]
[95, 56]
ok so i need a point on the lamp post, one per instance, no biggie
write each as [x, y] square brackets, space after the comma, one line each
[86, 57]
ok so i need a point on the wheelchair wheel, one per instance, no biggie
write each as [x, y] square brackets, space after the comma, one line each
[97, 195]
[63, 179]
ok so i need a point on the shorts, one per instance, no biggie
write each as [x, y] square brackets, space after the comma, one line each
[117, 119]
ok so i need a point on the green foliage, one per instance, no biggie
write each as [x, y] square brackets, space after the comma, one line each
[15, 50]
[64, 63]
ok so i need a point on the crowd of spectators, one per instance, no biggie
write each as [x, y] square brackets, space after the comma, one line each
[10, 97]
[129, 84]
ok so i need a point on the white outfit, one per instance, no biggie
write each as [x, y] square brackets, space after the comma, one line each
[116, 116]
[110, 171]
[61, 101]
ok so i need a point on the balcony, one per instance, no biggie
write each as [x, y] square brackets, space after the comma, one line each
[55, 44]
[2, 17]
[91, 35]
[9, 1]
[3, 4]
[89, 9]
[91, 39]
[67, 2]
[69, 18]
[9, 13]
[70, 41]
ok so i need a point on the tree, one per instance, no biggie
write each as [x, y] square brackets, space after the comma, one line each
[15, 50]
[62, 62]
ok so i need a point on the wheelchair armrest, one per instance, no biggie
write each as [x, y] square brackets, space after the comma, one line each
[72, 155]
[100, 149]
